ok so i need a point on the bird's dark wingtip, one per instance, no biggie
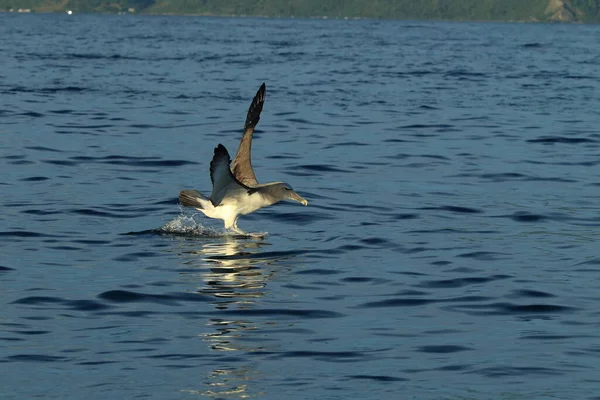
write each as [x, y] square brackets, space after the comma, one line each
[256, 107]
[220, 149]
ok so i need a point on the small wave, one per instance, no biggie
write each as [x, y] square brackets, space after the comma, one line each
[525, 293]
[504, 176]
[32, 114]
[120, 160]
[42, 148]
[511, 309]
[561, 139]
[455, 209]
[442, 349]
[426, 126]
[327, 356]
[299, 218]
[533, 45]
[417, 73]
[528, 217]
[125, 296]
[23, 234]
[46, 90]
[483, 255]
[402, 216]
[404, 302]
[320, 168]
[462, 73]
[507, 371]
[40, 212]
[104, 56]
[34, 179]
[35, 358]
[377, 378]
[460, 282]
[49, 302]
[347, 144]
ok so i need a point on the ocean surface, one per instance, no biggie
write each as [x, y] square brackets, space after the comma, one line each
[449, 249]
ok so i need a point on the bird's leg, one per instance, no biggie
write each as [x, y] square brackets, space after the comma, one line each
[237, 230]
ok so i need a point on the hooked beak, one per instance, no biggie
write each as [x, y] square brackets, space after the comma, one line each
[298, 198]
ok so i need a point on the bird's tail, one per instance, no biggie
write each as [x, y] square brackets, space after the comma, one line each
[192, 198]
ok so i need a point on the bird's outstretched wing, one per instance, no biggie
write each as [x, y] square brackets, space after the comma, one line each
[224, 183]
[242, 164]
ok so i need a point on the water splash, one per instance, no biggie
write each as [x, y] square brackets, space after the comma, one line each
[188, 226]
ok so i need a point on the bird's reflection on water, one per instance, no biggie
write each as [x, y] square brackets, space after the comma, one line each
[236, 273]
[229, 383]
[232, 276]
[232, 271]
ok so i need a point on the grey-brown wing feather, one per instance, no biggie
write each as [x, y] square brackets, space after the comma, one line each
[242, 164]
[224, 183]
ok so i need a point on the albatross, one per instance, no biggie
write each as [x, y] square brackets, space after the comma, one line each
[235, 189]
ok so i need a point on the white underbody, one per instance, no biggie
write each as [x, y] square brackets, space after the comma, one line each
[230, 208]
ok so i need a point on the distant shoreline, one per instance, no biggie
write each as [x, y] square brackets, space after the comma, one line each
[166, 14]
[570, 11]
[564, 11]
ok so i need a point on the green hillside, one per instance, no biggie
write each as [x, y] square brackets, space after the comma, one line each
[474, 10]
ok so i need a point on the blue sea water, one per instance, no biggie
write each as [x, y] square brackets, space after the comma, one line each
[448, 251]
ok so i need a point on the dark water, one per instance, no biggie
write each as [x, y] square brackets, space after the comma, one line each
[449, 250]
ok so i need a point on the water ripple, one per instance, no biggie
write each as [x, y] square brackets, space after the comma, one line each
[442, 349]
[561, 139]
[376, 378]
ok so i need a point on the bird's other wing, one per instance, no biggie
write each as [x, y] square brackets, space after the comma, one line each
[242, 164]
[224, 183]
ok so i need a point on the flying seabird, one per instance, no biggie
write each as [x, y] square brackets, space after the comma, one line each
[235, 188]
